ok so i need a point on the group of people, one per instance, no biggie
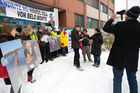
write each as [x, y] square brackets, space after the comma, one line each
[123, 55]
[80, 39]
[10, 32]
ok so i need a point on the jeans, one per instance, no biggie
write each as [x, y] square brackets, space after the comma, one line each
[117, 81]
[97, 60]
[64, 51]
[76, 57]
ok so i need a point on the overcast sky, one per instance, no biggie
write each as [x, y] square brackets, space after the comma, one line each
[121, 4]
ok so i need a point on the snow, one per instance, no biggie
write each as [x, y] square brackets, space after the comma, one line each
[60, 76]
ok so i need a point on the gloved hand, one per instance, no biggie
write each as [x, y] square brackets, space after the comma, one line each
[63, 44]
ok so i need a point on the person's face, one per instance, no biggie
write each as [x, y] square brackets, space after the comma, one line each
[78, 28]
[63, 29]
[54, 29]
[85, 32]
[82, 30]
[49, 30]
[51, 16]
[95, 32]
[13, 32]
[31, 32]
[126, 17]
[40, 30]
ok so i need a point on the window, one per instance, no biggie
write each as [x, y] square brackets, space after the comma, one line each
[89, 22]
[102, 23]
[111, 12]
[79, 20]
[4, 20]
[93, 3]
[18, 22]
[92, 23]
[30, 23]
[104, 8]
[95, 23]
[112, 1]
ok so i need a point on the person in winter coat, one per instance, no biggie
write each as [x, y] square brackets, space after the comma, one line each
[46, 39]
[85, 46]
[75, 36]
[54, 32]
[63, 41]
[96, 46]
[41, 44]
[124, 53]
[8, 34]
[34, 35]
[26, 33]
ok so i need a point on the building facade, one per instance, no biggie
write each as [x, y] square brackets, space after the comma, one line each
[68, 13]
[87, 13]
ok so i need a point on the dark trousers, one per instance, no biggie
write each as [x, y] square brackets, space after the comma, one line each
[64, 51]
[117, 81]
[48, 54]
[76, 57]
[43, 53]
[12, 90]
[97, 60]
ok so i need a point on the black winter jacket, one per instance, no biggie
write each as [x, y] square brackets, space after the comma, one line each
[75, 39]
[96, 45]
[125, 49]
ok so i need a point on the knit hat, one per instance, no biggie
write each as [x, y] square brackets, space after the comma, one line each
[7, 28]
[133, 12]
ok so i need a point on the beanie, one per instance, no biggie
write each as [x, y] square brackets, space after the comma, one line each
[7, 28]
[133, 12]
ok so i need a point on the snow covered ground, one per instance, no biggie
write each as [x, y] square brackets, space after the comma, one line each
[59, 76]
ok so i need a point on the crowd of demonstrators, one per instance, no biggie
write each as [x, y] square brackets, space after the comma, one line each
[8, 34]
[85, 45]
[96, 46]
[63, 41]
[125, 50]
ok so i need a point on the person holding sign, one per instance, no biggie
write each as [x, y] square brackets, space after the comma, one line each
[26, 33]
[8, 34]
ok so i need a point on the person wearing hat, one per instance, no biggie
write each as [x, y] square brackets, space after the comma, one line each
[8, 34]
[125, 50]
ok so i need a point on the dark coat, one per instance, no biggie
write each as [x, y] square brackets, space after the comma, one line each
[85, 42]
[125, 49]
[23, 37]
[75, 39]
[96, 45]
[39, 35]
[4, 37]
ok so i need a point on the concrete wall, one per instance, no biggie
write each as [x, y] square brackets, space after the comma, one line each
[69, 6]
[92, 12]
[103, 16]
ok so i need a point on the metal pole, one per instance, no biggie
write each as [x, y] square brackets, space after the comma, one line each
[126, 4]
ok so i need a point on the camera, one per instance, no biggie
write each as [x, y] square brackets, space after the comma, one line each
[122, 12]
